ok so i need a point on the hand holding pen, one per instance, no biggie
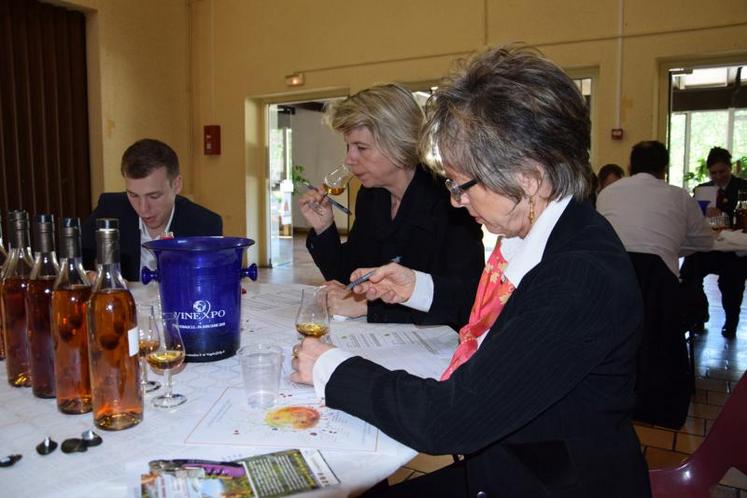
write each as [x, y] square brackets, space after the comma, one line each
[367, 275]
[392, 283]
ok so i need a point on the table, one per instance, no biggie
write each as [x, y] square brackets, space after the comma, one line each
[731, 241]
[268, 314]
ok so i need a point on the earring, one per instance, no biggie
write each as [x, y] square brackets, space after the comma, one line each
[531, 210]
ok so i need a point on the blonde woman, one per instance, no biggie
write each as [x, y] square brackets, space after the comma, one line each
[402, 210]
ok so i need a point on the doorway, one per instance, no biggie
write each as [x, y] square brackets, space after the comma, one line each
[300, 147]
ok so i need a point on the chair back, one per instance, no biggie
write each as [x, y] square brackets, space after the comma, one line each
[664, 379]
[724, 447]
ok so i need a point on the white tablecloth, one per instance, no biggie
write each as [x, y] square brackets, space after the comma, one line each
[268, 313]
[731, 241]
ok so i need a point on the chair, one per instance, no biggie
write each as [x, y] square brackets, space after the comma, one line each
[664, 374]
[724, 447]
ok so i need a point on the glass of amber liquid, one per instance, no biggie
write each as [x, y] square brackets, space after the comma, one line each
[167, 356]
[312, 319]
[335, 181]
[147, 343]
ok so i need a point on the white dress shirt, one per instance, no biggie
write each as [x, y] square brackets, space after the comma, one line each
[521, 254]
[147, 257]
[653, 217]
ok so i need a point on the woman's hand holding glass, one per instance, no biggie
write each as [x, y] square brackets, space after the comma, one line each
[305, 355]
[316, 209]
[392, 283]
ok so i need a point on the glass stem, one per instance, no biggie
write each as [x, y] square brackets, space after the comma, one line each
[144, 370]
[168, 394]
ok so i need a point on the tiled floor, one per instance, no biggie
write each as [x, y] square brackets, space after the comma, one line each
[719, 364]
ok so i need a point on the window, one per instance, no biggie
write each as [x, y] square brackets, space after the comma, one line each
[706, 110]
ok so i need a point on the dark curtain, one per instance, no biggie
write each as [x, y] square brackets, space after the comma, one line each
[44, 110]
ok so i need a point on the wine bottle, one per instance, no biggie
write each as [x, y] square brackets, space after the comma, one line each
[3, 258]
[38, 300]
[3, 251]
[69, 326]
[113, 338]
[13, 296]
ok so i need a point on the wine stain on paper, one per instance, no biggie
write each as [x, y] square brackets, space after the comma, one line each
[293, 417]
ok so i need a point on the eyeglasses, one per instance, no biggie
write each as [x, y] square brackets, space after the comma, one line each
[456, 191]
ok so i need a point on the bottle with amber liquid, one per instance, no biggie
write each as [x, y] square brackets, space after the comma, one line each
[113, 338]
[3, 258]
[3, 251]
[69, 326]
[38, 300]
[740, 212]
[13, 299]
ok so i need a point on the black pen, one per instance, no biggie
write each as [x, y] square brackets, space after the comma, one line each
[331, 200]
[364, 278]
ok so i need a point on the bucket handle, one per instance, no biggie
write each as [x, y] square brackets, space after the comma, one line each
[147, 275]
[250, 272]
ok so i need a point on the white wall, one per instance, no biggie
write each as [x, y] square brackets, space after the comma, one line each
[319, 150]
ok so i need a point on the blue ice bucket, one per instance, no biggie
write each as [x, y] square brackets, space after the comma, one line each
[200, 281]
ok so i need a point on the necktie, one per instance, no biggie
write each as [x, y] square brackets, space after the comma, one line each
[493, 291]
[721, 200]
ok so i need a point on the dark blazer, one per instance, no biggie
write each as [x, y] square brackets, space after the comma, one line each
[543, 407]
[727, 201]
[189, 220]
[428, 234]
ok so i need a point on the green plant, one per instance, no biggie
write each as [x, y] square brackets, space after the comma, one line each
[740, 167]
[298, 179]
[700, 174]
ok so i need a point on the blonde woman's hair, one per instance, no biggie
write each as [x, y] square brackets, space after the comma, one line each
[390, 113]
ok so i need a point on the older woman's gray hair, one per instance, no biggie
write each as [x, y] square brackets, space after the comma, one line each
[502, 112]
[390, 113]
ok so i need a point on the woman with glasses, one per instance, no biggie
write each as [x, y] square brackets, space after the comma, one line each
[538, 394]
[401, 210]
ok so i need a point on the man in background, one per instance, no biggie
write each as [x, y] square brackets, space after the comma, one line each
[149, 209]
[719, 169]
[657, 224]
[731, 269]
[649, 215]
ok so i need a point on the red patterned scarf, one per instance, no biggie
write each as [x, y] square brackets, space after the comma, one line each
[492, 294]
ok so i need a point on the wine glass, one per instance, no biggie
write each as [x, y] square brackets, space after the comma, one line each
[147, 343]
[335, 181]
[167, 356]
[312, 319]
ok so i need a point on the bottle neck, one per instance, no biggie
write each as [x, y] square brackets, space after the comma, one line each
[19, 263]
[72, 273]
[45, 265]
[108, 277]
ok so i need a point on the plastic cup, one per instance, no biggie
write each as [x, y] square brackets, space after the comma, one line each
[261, 366]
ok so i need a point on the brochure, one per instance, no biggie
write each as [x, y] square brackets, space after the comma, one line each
[276, 474]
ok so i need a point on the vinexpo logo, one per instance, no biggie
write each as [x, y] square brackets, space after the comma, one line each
[202, 310]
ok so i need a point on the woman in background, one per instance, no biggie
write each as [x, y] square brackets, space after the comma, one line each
[609, 174]
[401, 210]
